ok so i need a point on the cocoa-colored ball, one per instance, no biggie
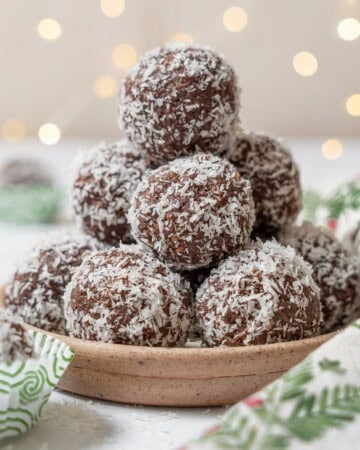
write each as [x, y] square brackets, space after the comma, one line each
[105, 179]
[264, 294]
[274, 179]
[35, 292]
[193, 211]
[336, 271]
[24, 172]
[16, 343]
[178, 100]
[126, 296]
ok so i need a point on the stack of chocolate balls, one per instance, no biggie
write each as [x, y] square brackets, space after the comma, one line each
[187, 226]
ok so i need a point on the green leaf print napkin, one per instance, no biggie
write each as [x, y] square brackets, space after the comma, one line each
[316, 405]
[27, 382]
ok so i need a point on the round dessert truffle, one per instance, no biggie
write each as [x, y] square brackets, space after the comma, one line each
[274, 179]
[27, 193]
[336, 272]
[23, 172]
[35, 292]
[105, 179]
[178, 100]
[126, 296]
[15, 341]
[193, 211]
[264, 294]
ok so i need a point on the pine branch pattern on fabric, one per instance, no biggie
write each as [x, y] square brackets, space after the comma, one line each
[319, 395]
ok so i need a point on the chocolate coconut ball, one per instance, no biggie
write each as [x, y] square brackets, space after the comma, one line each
[105, 179]
[336, 272]
[24, 172]
[178, 100]
[126, 296]
[274, 179]
[15, 341]
[264, 294]
[193, 211]
[35, 292]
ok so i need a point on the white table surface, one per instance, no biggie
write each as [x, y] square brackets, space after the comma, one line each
[72, 422]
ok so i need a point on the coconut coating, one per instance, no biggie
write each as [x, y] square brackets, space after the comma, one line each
[274, 178]
[105, 179]
[193, 211]
[126, 296]
[15, 341]
[35, 292]
[178, 100]
[336, 272]
[264, 294]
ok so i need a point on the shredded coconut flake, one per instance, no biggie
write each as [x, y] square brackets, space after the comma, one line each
[127, 296]
[335, 270]
[274, 179]
[16, 343]
[105, 178]
[193, 211]
[35, 292]
[264, 294]
[179, 99]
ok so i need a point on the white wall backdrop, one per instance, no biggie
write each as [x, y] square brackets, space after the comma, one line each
[45, 80]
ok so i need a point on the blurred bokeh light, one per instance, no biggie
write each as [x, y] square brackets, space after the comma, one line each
[297, 63]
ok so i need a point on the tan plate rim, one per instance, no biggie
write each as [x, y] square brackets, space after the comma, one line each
[149, 361]
[202, 362]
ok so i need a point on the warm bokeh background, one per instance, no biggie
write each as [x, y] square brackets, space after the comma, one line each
[72, 80]
[62, 62]
[298, 64]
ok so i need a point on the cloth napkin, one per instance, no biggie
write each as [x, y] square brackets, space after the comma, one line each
[26, 384]
[316, 405]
